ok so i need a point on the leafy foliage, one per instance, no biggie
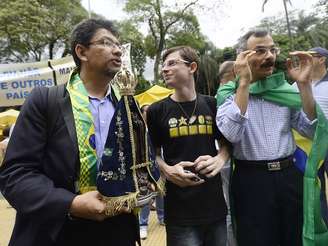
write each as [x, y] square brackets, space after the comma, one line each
[207, 75]
[164, 24]
[30, 31]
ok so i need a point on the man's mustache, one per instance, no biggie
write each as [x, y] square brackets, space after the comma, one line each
[266, 64]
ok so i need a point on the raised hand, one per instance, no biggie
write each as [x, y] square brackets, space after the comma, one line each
[302, 72]
[242, 68]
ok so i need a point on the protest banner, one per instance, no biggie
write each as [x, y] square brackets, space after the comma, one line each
[18, 80]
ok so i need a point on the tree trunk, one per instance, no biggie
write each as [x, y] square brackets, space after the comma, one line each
[291, 45]
[158, 57]
[51, 50]
[156, 65]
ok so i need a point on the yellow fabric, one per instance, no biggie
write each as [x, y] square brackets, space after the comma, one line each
[7, 118]
[302, 142]
[152, 95]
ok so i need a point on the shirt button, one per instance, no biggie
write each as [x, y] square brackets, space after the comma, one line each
[102, 122]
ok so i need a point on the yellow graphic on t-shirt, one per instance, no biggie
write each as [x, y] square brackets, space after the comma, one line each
[193, 130]
[192, 119]
[173, 122]
[202, 129]
[208, 119]
[174, 132]
[209, 129]
[201, 119]
[194, 126]
[183, 130]
[182, 121]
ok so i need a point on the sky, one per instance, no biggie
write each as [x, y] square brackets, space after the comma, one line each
[222, 26]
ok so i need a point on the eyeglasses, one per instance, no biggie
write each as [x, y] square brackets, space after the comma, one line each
[261, 51]
[107, 43]
[315, 55]
[172, 63]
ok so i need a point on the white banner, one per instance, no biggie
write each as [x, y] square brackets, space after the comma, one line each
[62, 68]
[18, 80]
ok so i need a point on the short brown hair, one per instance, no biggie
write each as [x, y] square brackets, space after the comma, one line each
[187, 53]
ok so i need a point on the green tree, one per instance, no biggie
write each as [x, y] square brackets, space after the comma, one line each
[188, 33]
[320, 32]
[287, 20]
[322, 7]
[160, 20]
[142, 85]
[36, 29]
[207, 75]
[308, 30]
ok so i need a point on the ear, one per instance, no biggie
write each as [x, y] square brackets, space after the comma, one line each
[193, 67]
[80, 51]
[322, 60]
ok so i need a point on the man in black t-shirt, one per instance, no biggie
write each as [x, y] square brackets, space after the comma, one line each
[183, 125]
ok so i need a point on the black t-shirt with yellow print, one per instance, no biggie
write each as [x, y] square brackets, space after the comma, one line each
[185, 137]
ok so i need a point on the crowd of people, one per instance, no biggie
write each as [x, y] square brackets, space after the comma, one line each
[225, 159]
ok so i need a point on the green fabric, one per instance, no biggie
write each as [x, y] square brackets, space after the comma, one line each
[84, 131]
[276, 89]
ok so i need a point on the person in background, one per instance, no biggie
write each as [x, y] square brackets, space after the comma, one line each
[159, 201]
[320, 93]
[226, 74]
[183, 131]
[4, 143]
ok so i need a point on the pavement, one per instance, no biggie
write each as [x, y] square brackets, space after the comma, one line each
[156, 232]
[7, 217]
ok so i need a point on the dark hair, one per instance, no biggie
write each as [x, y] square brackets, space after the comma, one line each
[258, 33]
[187, 53]
[85, 30]
[6, 131]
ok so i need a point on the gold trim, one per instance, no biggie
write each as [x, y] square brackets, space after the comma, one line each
[115, 204]
[145, 164]
[133, 147]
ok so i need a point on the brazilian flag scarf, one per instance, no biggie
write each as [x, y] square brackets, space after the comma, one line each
[85, 132]
[276, 89]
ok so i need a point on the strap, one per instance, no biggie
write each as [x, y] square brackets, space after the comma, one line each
[54, 93]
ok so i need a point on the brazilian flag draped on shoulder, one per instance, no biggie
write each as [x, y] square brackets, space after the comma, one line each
[276, 89]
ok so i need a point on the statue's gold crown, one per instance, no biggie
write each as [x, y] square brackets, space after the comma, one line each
[125, 81]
